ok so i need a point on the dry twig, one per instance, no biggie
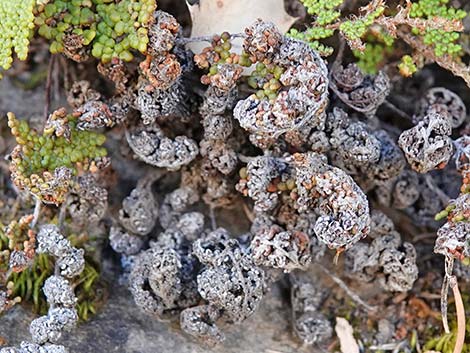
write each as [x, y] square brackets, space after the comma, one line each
[48, 88]
[348, 291]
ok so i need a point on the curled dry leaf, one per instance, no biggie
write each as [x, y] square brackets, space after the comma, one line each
[216, 16]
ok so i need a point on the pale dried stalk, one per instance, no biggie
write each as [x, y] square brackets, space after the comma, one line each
[449, 265]
[37, 211]
[459, 308]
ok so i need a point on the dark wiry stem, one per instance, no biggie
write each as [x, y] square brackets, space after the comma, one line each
[50, 70]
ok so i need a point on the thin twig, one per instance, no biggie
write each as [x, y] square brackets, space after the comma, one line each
[432, 185]
[399, 346]
[55, 79]
[430, 296]
[249, 213]
[340, 53]
[397, 110]
[423, 236]
[150, 178]
[459, 342]
[348, 291]
[56, 273]
[65, 67]
[444, 294]
[50, 69]
[212, 217]
[388, 346]
[37, 211]
[418, 346]
[184, 40]
[62, 214]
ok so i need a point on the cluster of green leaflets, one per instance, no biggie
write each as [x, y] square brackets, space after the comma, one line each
[356, 29]
[4, 250]
[443, 42]
[111, 29]
[262, 72]
[46, 152]
[407, 66]
[325, 13]
[371, 58]
[377, 47]
[16, 25]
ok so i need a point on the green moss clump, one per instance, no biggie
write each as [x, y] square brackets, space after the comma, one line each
[445, 343]
[28, 286]
[28, 283]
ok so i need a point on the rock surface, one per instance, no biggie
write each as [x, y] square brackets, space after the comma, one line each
[120, 327]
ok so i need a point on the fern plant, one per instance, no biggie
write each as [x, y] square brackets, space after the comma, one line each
[430, 27]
